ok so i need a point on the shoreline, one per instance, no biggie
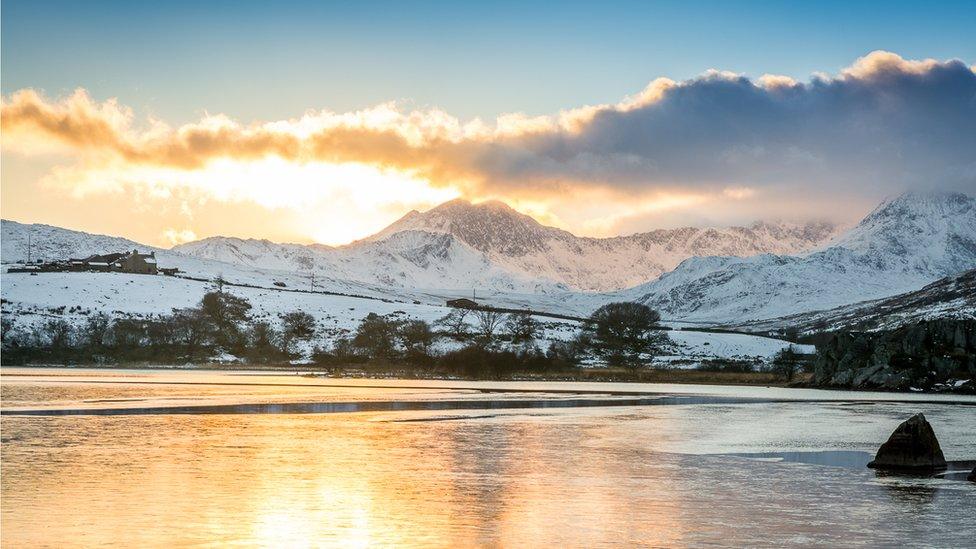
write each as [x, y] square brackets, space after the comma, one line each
[584, 375]
[386, 371]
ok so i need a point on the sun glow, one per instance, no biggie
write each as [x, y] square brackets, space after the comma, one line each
[330, 203]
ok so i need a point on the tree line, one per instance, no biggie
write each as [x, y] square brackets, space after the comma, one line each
[484, 342]
[220, 323]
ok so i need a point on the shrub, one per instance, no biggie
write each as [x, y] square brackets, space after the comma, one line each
[264, 343]
[376, 337]
[727, 365]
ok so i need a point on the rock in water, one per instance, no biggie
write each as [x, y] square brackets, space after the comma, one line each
[912, 446]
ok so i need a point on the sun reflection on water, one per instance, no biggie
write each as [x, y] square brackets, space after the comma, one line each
[535, 477]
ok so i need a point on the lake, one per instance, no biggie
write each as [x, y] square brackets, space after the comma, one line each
[176, 458]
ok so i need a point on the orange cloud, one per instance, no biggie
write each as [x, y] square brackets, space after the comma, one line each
[718, 131]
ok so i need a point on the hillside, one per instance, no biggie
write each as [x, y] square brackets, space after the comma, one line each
[49, 243]
[904, 244]
[401, 269]
[30, 300]
[52, 243]
[950, 297]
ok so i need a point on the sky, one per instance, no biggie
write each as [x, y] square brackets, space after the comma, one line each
[325, 121]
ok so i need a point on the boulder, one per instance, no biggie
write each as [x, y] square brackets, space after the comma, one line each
[912, 446]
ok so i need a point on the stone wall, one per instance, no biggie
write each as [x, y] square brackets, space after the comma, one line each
[927, 355]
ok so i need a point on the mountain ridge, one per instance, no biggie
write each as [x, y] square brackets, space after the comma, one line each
[901, 246]
[949, 297]
[521, 245]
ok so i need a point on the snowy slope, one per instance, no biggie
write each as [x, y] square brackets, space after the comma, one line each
[50, 243]
[950, 297]
[734, 346]
[29, 300]
[493, 247]
[931, 234]
[399, 270]
[904, 244]
[406, 259]
[254, 253]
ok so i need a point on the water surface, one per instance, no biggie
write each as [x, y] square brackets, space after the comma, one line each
[103, 458]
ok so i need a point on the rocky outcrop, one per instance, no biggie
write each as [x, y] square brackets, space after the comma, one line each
[926, 355]
[912, 446]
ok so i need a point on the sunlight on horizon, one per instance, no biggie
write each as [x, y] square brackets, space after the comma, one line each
[335, 203]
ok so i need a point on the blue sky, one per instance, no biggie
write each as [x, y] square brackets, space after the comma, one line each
[270, 60]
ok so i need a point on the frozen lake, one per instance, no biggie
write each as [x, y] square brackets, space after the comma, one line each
[151, 457]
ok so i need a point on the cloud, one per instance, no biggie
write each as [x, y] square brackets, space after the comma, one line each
[881, 125]
[178, 236]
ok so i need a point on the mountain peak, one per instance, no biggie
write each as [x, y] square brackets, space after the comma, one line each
[905, 243]
[923, 203]
[459, 205]
[927, 232]
[489, 227]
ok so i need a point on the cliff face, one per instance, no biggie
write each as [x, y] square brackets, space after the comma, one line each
[927, 355]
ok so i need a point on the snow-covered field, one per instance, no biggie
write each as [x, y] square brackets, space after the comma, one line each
[735, 346]
[33, 299]
[146, 295]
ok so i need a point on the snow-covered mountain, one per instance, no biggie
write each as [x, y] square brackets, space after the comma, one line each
[490, 245]
[932, 234]
[49, 243]
[512, 260]
[904, 244]
[404, 260]
[409, 266]
[949, 297]
[413, 255]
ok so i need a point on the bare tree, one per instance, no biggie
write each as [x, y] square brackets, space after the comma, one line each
[521, 327]
[57, 333]
[417, 338]
[455, 323]
[190, 327]
[489, 320]
[296, 326]
[96, 329]
[786, 363]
